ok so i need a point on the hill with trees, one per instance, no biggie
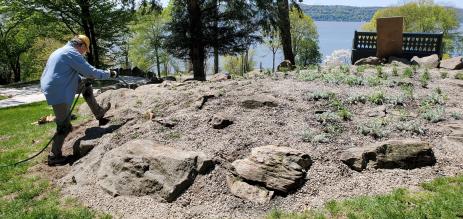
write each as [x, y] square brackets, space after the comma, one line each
[347, 13]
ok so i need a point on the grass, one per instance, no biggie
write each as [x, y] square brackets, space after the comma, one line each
[21, 194]
[459, 76]
[3, 97]
[440, 198]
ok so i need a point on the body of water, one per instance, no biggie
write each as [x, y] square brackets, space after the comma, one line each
[332, 36]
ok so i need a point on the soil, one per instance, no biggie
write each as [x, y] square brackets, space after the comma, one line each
[284, 125]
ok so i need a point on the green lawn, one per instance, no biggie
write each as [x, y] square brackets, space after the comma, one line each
[441, 198]
[3, 97]
[22, 195]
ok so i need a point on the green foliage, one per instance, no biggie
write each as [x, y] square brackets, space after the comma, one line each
[361, 69]
[234, 64]
[374, 81]
[456, 115]
[408, 73]
[395, 71]
[433, 114]
[425, 78]
[444, 75]
[380, 73]
[307, 75]
[314, 137]
[320, 95]
[345, 114]
[408, 90]
[411, 126]
[378, 98]
[437, 97]
[328, 118]
[356, 99]
[459, 76]
[304, 38]
[146, 42]
[440, 198]
[375, 128]
[353, 80]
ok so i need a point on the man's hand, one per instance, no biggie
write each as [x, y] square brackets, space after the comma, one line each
[113, 74]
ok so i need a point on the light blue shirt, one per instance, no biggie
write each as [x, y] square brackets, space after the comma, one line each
[60, 77]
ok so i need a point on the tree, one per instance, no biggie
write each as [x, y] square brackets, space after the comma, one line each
[148, 39]
[276, 14]
[102, 21]
[272, 42]
[421, 16]
[198, 26]
[304, 38]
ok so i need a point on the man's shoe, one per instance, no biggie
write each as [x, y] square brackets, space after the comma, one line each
[57, 161]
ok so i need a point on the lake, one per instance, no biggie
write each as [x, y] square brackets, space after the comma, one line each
[332, 36]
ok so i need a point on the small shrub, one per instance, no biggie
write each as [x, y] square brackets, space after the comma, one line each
[459, 76]
[374, 81]
[434, 115]
[356, 99]
[456, 115]
[437, 97]
[425, 78]
[411, 126]
[336, 103]
[395, 71]
[344, 69]
[307, 75]
[378, 98]
[345, 114]
[308, 136]
[334, 128]
[407, 90]
[361, 69]
[374, 128]
[328, 118]
[321, 95]
[321, 138]
[352, 80]
[444, 75]
[399, 100]
[380, 73]
[408, 73]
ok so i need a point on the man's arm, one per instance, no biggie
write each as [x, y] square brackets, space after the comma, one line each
[79, 64]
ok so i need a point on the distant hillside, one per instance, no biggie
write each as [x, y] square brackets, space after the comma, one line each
[346, 13]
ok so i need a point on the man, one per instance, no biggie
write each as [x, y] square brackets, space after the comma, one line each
[61, 80]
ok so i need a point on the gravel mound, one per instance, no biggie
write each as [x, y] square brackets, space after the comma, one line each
[264, 111]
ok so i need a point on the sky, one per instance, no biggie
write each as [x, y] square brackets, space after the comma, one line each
[362, 3]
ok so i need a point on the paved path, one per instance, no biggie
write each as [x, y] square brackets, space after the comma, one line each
[32, 93]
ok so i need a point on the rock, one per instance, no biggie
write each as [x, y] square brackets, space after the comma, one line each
[155, 80]
[404, 154]
[220, 77]
[379, 111]
[398, 61]
[141, 167]
[369, 61]
[244, 190]
[453, 63]
[220, 122]
[259, 101]
[276, 168]
[431, 61]
[169, 123]
[202, 100]
[169, 78]
[285, 65]
[82, 148]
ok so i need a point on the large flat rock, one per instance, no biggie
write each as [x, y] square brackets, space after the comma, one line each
[403, 154]
[276, 168]
[142, 167]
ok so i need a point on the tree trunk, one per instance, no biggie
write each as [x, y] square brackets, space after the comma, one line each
[216, 40]
[16, 67]
[273, 62]
[158, 63]
[89, 29]
[285, 29]
[197, 51]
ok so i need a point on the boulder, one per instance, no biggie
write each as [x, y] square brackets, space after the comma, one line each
[453, 63]
[244, 190]
[220, 122]
[141, 167]
[275, 168]
[398, 61]
[285, 65]
[220, 77]
[403, 154]
[369, 61]
[431, 61]
[259, 101]
[455, 138]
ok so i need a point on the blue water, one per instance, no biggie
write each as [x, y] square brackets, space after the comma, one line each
[332, 36]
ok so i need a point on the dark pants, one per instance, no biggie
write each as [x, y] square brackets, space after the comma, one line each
[63, 121]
